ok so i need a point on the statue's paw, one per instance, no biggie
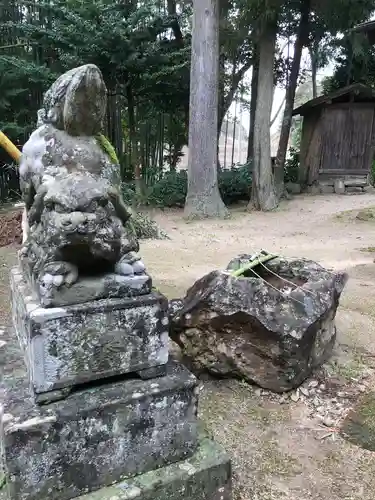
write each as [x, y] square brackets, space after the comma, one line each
[58, 274]
[139, 267]
[130, 265]
[23, 252]
[130, 257]
[129, 246]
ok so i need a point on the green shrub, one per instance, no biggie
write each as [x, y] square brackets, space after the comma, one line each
[372, 175]
[235, 184]
[292, 166]
[128, 193]
[170, 191]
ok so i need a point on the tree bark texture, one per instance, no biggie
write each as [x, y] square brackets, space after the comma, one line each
[301, 41]
[314, 71]
[253, 103]
[263, 189]
[221, 97]
[226, 142]
[275, 116]
[203, 198]
[114, 127]
[134, 156]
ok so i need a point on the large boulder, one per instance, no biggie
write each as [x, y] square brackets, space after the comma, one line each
[272, 325]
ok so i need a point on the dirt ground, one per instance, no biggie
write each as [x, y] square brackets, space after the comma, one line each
[280, 446]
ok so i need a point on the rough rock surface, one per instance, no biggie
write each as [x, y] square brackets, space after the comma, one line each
[272, 328]
[71, 345]
[204, 476]
[97, 436]
[10, 228]
[293, 187]
[77, 220]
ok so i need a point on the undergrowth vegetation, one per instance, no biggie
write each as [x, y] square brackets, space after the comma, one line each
[170, 191]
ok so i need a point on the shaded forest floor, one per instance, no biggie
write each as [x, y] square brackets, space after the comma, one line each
[281, 446]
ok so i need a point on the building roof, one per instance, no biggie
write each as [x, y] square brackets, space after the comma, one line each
[368, 28]
[360, 91]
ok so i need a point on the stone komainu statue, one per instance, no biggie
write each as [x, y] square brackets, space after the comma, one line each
[76, 218]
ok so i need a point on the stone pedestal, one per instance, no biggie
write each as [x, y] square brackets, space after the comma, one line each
[71, 345]
[118, 420]
[97, 435]
[204, 476]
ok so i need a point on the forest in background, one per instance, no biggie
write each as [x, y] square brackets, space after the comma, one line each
[145, 52]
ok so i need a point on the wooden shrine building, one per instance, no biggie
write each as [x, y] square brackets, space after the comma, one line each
[338, 137]
[367, 29]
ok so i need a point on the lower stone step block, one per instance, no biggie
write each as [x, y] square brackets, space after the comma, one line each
[204, 476]
[96, 436]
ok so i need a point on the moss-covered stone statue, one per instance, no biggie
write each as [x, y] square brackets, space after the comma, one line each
[76, 219]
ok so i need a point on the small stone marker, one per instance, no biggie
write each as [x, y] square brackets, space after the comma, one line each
[339, 186]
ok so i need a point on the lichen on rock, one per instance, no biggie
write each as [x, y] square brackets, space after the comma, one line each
[107, 148]
[272, 326]
[77, 219]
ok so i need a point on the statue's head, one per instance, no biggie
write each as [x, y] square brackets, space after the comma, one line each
[78, 213]
[76, 102]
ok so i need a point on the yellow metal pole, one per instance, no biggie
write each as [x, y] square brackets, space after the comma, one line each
[9, 147]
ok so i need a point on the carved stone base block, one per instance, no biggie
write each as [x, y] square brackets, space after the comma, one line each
[204, 476]
[98, 435]
[71, 345]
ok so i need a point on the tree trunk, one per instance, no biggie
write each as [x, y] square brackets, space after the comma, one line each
[203, 198]
[221, 105]
[277, 112]
[221, 98]
[224, 101]
[253, 103]
[226, 141]
[314, 72]
[301, 41]
[263, 190]
[172, 12]
[350, 57]
[234, 134]
[134, 157]
[114, 127]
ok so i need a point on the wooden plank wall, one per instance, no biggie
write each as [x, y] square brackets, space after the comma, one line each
[336, 138]
[310, 153]
[339, 138]
[362, 143]
[348, 137]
